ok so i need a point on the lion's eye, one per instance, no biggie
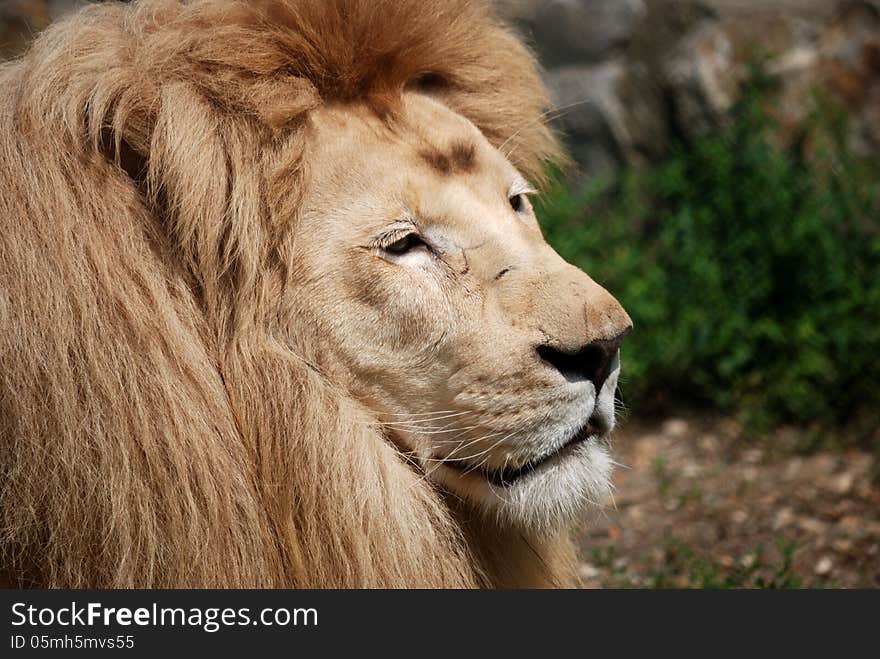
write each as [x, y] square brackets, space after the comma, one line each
[405, 244]
[518, 203]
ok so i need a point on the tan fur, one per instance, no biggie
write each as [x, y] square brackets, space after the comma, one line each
[158, 427]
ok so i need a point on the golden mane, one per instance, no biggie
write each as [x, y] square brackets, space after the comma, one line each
[156, 428]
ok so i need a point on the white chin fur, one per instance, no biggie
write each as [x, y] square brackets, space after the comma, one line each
[544, 500]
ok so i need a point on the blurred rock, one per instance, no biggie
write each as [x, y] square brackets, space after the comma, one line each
[577, 31]
[518, 11]
[840, 55]
[850, 67]
[842, 483]
[708, 443]
[842, 546]
[812, 525]
[750, 473]
[608, 113]
[647, 450]
[784, 517]
[707, 68]
[589, 114]
[676, 428]
[803, 7]
[629, 76]
[610, 109]
[793, 468]
[824, 566]
[753, 455]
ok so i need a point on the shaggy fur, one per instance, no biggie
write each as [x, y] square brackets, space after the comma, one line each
[159, 424]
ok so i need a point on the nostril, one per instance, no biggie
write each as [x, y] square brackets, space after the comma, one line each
[593, 362]
[588, 363]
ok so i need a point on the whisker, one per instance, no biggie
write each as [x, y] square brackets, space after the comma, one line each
[439, 431]
[613, 502]
[488, 450]
[548, 115]
[449, 457]
[424, 413]
[423, 420]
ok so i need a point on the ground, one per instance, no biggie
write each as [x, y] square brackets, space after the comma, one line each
[695, 505]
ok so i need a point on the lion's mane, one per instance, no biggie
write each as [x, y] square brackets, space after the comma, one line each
[161, 420]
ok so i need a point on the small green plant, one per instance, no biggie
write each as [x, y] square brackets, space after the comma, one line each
[660, 470]
[752, 273]
[682, 566]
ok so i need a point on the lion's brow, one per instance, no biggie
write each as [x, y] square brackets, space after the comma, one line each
[461, 158]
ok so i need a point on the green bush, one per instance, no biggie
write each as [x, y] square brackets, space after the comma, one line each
[752, 273]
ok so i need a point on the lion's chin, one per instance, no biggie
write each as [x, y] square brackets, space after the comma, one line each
[544, 499]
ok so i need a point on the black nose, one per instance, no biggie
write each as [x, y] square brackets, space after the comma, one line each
[593, 362]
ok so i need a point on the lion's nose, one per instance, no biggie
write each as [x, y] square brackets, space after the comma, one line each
[593, 362]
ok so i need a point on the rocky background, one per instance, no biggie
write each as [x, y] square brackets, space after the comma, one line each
[630, 76]
[696, 504]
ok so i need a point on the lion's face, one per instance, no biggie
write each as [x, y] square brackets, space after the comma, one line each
[422, 268]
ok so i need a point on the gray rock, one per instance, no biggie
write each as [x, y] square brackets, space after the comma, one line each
[588, 115]
[702, 79]
[611, 114]
[576, 31]
[706, 70]
[850, 68]
[840, 56]
[518, 10]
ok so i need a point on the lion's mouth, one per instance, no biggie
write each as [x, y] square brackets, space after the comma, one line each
[506, 477]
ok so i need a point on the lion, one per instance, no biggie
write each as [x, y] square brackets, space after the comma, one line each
[276, 309]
